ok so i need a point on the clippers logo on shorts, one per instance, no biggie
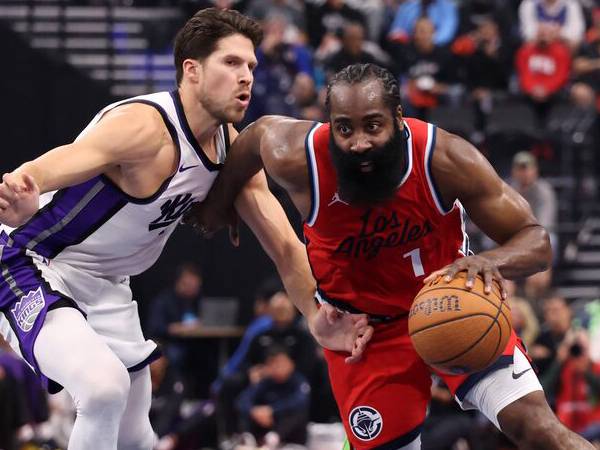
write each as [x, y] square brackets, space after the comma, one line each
[366, 422]
[27, 310]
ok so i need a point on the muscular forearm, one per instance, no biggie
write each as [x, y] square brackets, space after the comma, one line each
[524, 254]
[295, 273]
[266, 218]
[32, 169]
[64, 166]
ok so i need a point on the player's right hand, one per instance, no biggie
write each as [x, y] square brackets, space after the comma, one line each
[19, 198]
[340, 331]
[473, 265]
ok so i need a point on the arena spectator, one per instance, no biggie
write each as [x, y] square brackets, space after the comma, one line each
[474, 12]
[232, 377]
[447, 426]
[176, 309]
[279, 62]
[539, 193]
[563, 17]
[524, 320]
[573, 379]
[585, 90]
[428, 70]
[487, 58]
[351, 51]
[543, 67]
[12, 406]
[287, 332]
[557, 322]
[442, 14]
[306, 99]
[325, 22]
[278, 404]
[592, 35]
[292, 10]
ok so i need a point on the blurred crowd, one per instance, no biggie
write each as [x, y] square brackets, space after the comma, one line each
[480, 68]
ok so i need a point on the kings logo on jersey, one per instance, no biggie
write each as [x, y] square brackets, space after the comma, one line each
[26, 311]
[172, 210]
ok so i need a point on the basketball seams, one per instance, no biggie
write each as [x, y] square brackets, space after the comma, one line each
[499, 331]
[495, 321]
[489, 361]
[470, 347]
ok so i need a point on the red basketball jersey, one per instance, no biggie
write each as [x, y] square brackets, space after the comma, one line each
[374, 258]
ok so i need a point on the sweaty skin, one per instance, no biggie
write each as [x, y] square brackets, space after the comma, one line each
[461, 172]
[361, 122]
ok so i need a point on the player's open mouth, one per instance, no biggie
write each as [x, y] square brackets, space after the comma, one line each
[244, 99]
[366, 166]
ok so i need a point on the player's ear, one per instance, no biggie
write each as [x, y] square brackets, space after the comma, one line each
[191, 70]
[399, 117]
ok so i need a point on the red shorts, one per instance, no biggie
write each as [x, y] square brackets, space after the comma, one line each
[383, 398]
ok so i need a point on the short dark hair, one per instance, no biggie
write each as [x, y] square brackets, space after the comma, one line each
[276, 350]
[188, 267]
[199, 36]
[268, 288]
[552, 295]
[357, 73]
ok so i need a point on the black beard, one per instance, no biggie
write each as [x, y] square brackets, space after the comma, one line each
[378, 185]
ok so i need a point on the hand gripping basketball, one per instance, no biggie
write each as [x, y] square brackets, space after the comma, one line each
[472, 265]
[459, 330]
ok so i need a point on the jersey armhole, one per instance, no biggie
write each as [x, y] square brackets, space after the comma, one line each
[313, 174]
[433, 188]
[173, 132]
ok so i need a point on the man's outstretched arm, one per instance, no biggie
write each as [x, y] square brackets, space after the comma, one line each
[277, 144]
[267, 219]
[130, 134]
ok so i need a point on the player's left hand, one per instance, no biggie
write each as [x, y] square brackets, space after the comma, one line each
[473, 265]
[339, 331]
[207, 221]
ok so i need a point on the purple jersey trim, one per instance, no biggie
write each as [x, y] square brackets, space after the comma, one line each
[73, 214]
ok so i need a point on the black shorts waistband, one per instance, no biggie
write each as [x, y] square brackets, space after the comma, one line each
[320, 297]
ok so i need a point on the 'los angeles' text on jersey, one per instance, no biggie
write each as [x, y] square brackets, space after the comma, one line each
[382, 231]
[374, 258]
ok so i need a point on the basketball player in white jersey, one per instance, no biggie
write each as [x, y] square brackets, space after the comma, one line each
[82, 218]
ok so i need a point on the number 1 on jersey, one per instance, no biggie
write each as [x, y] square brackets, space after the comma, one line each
[415, 259]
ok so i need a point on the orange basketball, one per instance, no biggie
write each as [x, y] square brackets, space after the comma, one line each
[457, 330]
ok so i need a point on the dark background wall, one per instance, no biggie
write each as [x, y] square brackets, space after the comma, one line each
[46, 103]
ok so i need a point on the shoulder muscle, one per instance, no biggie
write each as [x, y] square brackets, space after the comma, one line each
[129, 133]
[463, 173]
[282, 150]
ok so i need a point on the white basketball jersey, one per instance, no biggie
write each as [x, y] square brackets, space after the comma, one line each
[98, 228]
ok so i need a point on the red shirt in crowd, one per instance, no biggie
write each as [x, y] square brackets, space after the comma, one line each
[545, 67]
